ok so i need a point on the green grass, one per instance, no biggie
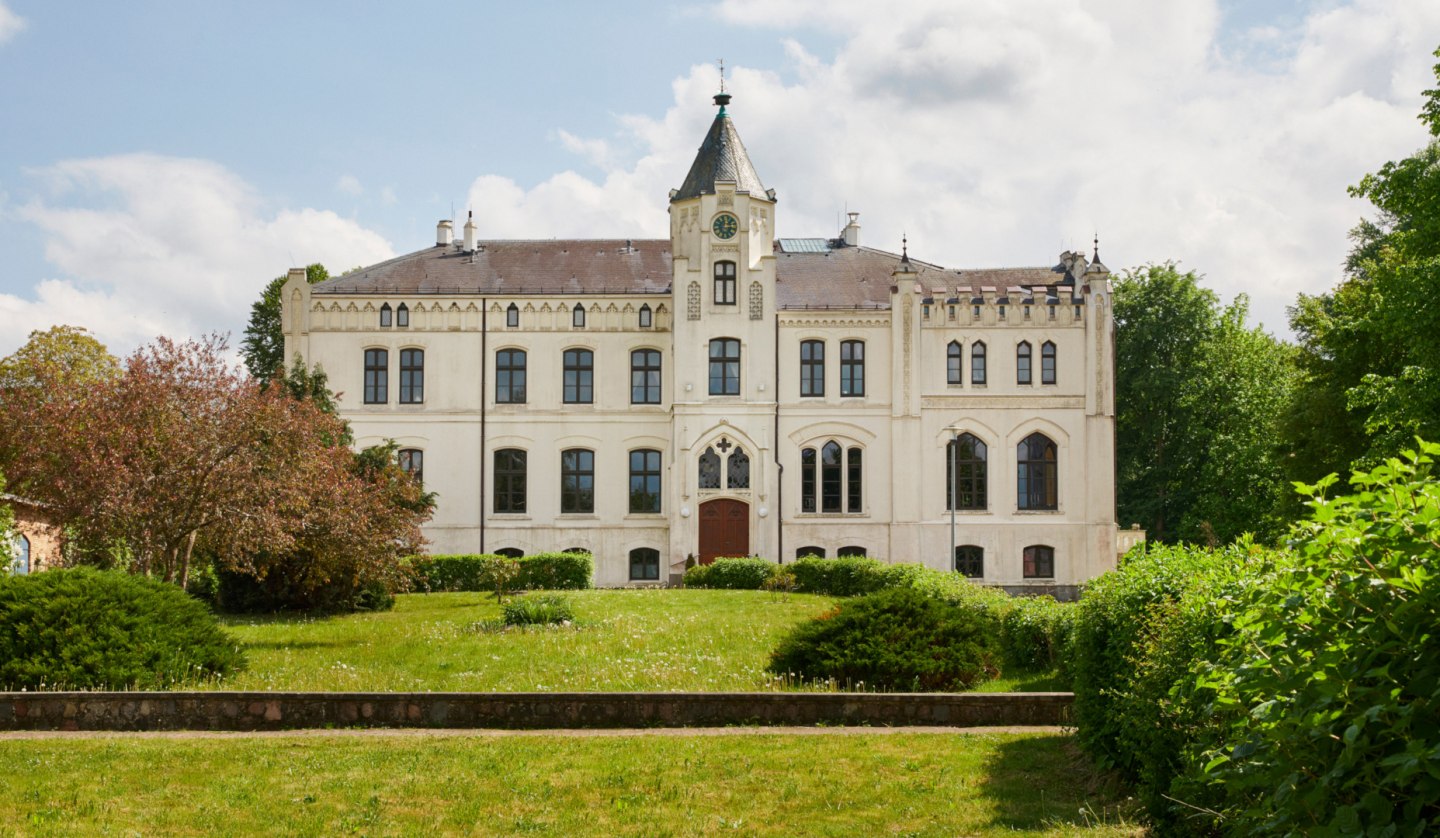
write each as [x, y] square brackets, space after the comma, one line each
[897, 784]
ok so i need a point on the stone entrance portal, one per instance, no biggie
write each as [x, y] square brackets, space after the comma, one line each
[724, 529]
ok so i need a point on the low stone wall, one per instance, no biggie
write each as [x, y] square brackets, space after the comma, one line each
[288, 711]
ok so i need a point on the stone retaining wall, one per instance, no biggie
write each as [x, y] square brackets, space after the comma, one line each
[288, 711]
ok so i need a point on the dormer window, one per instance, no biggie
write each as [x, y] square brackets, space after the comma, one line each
[647, 318]
[577, 316]
[402, 317]
[385, 316]
[512, 316]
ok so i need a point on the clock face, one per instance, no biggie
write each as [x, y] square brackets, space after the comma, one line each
[725, 226]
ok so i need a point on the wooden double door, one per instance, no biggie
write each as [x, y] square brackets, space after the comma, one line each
[724, 529]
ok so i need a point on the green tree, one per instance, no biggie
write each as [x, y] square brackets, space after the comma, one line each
[264, 344]
[1199, 396]
[7, 528]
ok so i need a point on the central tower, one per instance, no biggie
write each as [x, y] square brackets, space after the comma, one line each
[722, 230]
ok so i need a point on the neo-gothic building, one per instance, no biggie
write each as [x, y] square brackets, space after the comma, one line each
[726, 392]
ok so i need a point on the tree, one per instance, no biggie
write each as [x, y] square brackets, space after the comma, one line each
[264, 344]
[1198, 399]
[7, 527]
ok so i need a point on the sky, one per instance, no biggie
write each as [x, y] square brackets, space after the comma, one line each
[160, 162]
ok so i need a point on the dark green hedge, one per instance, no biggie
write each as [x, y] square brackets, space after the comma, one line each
[731, 574]
[92, 629]
[472, 572]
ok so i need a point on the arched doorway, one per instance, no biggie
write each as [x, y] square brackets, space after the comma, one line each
[21, 564]
[724, 529]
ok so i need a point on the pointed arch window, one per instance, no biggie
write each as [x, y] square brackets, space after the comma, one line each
[577, 316]
[402, 317]
[21, 564]
[737, 470]
[838, 475]
[724, 283]
[647, 318]
[512, 316]
[977, 363]
[965, 473]
[954, 362]
[1036, 477]
[1022, 363]
[1047, 363]
[970, 561]
[709, 469]
[385, 315]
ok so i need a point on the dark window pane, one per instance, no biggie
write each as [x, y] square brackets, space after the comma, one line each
[645, 376]
[412, 376]
[854, 468]
[709, 469]
[644, 564]
[852, 368]
[385, 315]
[954, 360]
[1036, 473]
[970, 561]
[977, 363]
[510, 480]
[1039, 562]
[965, 473]
[1022, 363]
[830, 477]
[1047, 363]
[510, 376]
[724, 367]
[577, 480]
[737, 470]
[377, 376]
[512, 316]
[851, 552]
[645, 481]
[579, 376]
[812, 368]
[807, 480]
[412, 462]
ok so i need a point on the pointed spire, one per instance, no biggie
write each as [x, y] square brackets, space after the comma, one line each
[905, 249]
[722, 157]
[1096, 266]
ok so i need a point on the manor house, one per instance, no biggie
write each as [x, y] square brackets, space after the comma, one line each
[727, 392]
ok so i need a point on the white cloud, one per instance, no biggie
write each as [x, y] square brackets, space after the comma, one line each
[10, 23]
[350, 185]
[1001, 131]
[148, 245]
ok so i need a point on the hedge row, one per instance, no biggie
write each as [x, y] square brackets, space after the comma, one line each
[475, 572]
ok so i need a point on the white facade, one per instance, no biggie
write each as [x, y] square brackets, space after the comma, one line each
[886, 393]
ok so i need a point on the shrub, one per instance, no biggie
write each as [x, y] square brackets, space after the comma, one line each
[472, 572]
[895, 640]
[1035, 632]
[90, 629]
[557, 571]
[733, 574]
[538, 609]
[244, 593]
[850, 576]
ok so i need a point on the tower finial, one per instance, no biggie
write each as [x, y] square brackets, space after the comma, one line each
[1096, 257]
[722, 98]
[722, 75]
[904, 249]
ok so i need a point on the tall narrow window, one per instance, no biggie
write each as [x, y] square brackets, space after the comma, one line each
[965, 472]
[954, 363]
[1036, 478]
[830, 471]
[644, 564]
[807, 480]
[577, 316]
[385, 315]
[510, 480]
[854, 484]
[977, 363]
[510, 376]
[1022, 363]
[725, 367]
[812, 368]
[402, 316]
[724, 283]
[1039, 562]
[838, 475]
[412, 462]
[1047, 363]
[412, 376]
[579, 376]
[970, 561]
[645, 376]
[644, 480]
[737, 470]
[512, 316]
[577, 480]
[647, 318]
[377, 376]
[852, 368]
[709, 469]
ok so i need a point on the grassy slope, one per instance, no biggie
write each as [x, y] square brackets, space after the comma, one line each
[902, 784]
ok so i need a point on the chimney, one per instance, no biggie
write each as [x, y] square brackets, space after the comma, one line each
[444, 232]
[470, 233]
[851, 233]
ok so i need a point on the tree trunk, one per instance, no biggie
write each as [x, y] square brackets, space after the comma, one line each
[185, 565]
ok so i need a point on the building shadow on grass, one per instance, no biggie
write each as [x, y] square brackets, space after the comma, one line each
[1043, 783]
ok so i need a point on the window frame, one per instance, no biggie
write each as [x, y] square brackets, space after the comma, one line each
[1038, 562]
[812, 368]
[724, 292]
[977, 363]
[1047, 362]
[650, 387]
[852, 551]
[728, 366]
[852, 368]
[505, 477]
[810, 551]
[646, 316]
[1033, 469]
[402, 316]
[971, 562]
[577, 316]
[377, 375]
[512, 316]
[976, 485]
[577, 464]
[954, 362]
[412, 462]
[412, 375]
[578, 370]
[1022, 363]
[506, 372]
[649, 480]
[645, 558]
[832, 488]
[385, 315]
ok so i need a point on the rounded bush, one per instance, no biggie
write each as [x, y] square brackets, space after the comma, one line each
[733, 574]
[539, 610]
[90, 629]
[897, 640]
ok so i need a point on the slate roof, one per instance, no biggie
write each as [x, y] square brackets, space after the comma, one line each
[721, 157]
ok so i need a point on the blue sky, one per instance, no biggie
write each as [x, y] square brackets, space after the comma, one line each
[159, 162]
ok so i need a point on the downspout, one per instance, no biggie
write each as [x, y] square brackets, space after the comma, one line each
[484, 359]
[779, 467]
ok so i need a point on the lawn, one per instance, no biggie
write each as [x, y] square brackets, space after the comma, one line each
[623, 640]
[829, 784]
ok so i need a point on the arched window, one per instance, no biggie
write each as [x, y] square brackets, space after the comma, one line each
[709, 469]
[412, 376]
[737, 470]
[385, 315]
[812, 368]
[1047, 363]
[510, 488]
[579, 376]
[412, 462]
[970, 561]
[954, 362]
[724, 283]
[852, 367]
[512, 316]
[644, 564]
[577, 480]
[576, 551]
[510, 376]
[830, 477]
[840, 479]
[1039, 562]
[21, 565]
[965, 473]
[644, 480]
[510, 552]
[977, 363]
[1036, 477]
[402, 316]
[807, 480]
[725, 367]
[1022, 363]
[577, 316]
[851, 552]
[377, 376]
[810, 552]
[647, 319]
[645, 376]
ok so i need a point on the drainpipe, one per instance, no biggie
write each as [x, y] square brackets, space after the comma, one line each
[484, 359]
[954, 488]
[779, 467]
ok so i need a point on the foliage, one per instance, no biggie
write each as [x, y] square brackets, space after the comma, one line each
[472, 572]
[731, 574]
[61, 353]
[87, 629]
[1332, 691]
[281, 589]
[1199, 399]
[7, 526]
[839, 577]
[1035, 633]
[539, 610]
[782, 582]
[263, 347]
[896, 640]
